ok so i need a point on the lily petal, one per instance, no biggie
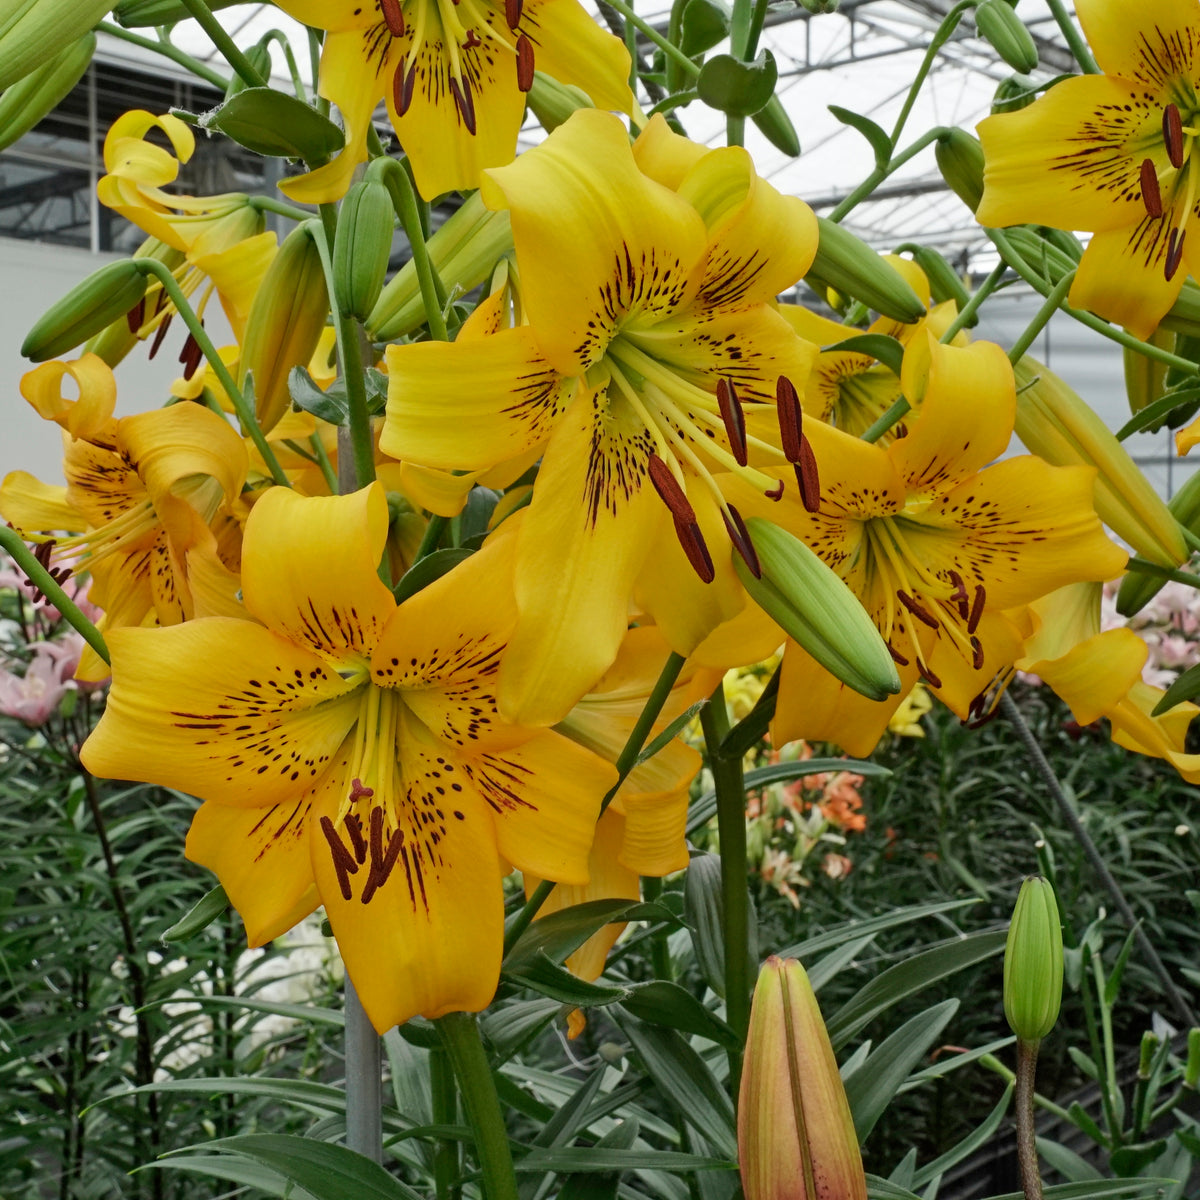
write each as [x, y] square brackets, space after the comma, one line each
[1152, 46]
[571, 47]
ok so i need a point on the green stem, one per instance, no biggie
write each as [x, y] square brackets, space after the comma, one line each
[314, 62]
[675, 100]
[1053, 302]
[460, 1036]
[1079, 48]
[900, 408]
[46, 584]
[992, 1063]
[660, 951]
[941, 34]
[677, 56]
[625, 763]
[674, 32]
[151, 266]
[322, 457]
[298, 86]
[364, 1090]
[167, 50]
[223, 42]
[268, 204]
[878, 175]
[349, 357]
[735, 900]
[1042, 287]
[1109, 1083]
[1031, 1178]
[444, 1099]
[1145, 567]
[433, 535]
[404, 201]
[985, 289]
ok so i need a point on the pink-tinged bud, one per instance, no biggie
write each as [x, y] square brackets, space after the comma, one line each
[796, 1137]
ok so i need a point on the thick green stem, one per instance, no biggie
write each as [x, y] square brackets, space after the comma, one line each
[878, 175]
[992, 1063]
[444, 1096]
[460, 1036]
[730, 788]
[49, 587]
[660, 951]
[223, 42]
[270, 204]
[433, 535]
[1054, 301]
[277, 36]
[404, 201]
[625, 763]
[941, 34]
[167, 50]
[1145, 567]
[151, 266]
[1070, 31]
[1031, 1178]
[972, 306]
[350, 359]
[677, 56]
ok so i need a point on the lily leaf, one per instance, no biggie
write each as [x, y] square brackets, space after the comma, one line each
[737, 88]
[276, 125]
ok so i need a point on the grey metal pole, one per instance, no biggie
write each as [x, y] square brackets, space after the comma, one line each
[364, 1098]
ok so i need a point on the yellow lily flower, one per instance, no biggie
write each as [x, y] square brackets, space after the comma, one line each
[936, 545]
[141, 494]
[1112, 154]
[1099, 674]
[454, 76]
[850, 390]
[648, 280]
[350, 754]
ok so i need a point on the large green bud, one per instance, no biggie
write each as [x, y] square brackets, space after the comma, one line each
[1033, 962]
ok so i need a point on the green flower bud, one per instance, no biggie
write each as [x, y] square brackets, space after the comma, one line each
[960, 160]
[137, 13]
[99, 300]
[33, 32]
[945, 283]
[1013, 93]
[1184, 314]
[1033, 962]
[1191, 1069]
[362, 247]
[796, 1138]
[1146, 1053]
[816, 608]
[25, 103]
[1007, 35]
[847, 264]
[1138, 589]
[259, 57]
[553, 102]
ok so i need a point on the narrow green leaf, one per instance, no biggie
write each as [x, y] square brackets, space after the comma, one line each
[562, 933]
[596, 1185]
[430, 569]
[1130, 1160]
[509, 1028]
[975, 1140]
[954, 1062]
[330, 404]
[703, 25]
[1112, 1189]
[660, 1002]
[1186, 687]
[669, 734]
[547, 978]
[871, 1088]
[1155, 414]
[1113, 984]
[242, 1172]
[827, 968]
[201, 916]
[853, 928]
[1066, 1162]
[575, 1159]
[881, 144]
[909, 977]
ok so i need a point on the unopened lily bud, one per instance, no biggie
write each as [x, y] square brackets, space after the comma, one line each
[138, 13]
[285, 324]
[819, 6]
[1013, 93]
[1146, 1053]
[848, 264]
[30, 99]
[796, 1138]
[1033, 962]
[463, 252]
[1146, 378]
[1056, 424]
[945, 283]
[1191, 1069]
[259, 57]
[1184, 314]
[960, 160]
[1139, 588]
[99, 300]
[808, 600]
[32, 32]
[553, 102]
[1005, 32]
[362, 246]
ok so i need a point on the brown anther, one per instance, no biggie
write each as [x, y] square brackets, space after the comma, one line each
[775, 493]
[669, 491]
[1151, 196]
[524, 63]
[354, 829]
[402, 88]
[464, 101]
[917, 611]
[383, 862]
[136, 315]
[960, 599]
[900, 429]
[976, 654]
[1173, 135]
[512, 12]
[160, 333]
[927, 675]
[161, 303]
[790, 417]
[191, 356]
[976, 609]
[692, 541]
[43, 552]
[897, 657]
[343, 864]
[734, 418]
[739, 535]
[376, 835]
[393, 16]
[1174, 252]
[807, 478]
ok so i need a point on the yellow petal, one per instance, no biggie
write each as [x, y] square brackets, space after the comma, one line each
[1161, 737]
[81, 418]
[261, 857]
[1093, 677]
[471, 404]
[1073, 157]
[571, 47]
[1153, 45]
[597, 240]
[664, 155]
[307, 578]
[32, 506]
[1122, 277]
[127, 154]
[224, 708]
[332, 15]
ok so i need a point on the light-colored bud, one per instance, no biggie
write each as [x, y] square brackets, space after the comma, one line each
[99, 300]
[1033, 962]
[849, 265]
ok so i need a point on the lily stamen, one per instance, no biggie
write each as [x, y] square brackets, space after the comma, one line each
[343, 862]
[739, 535]
[354, 828]
[976, 609]
[791, 419]
[692, 541]
[917, 610]
[734, 419]
[512, 12]
[393, 17]
[1151, 195]
[1173, 135]
[807, 478]
[669, 491]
